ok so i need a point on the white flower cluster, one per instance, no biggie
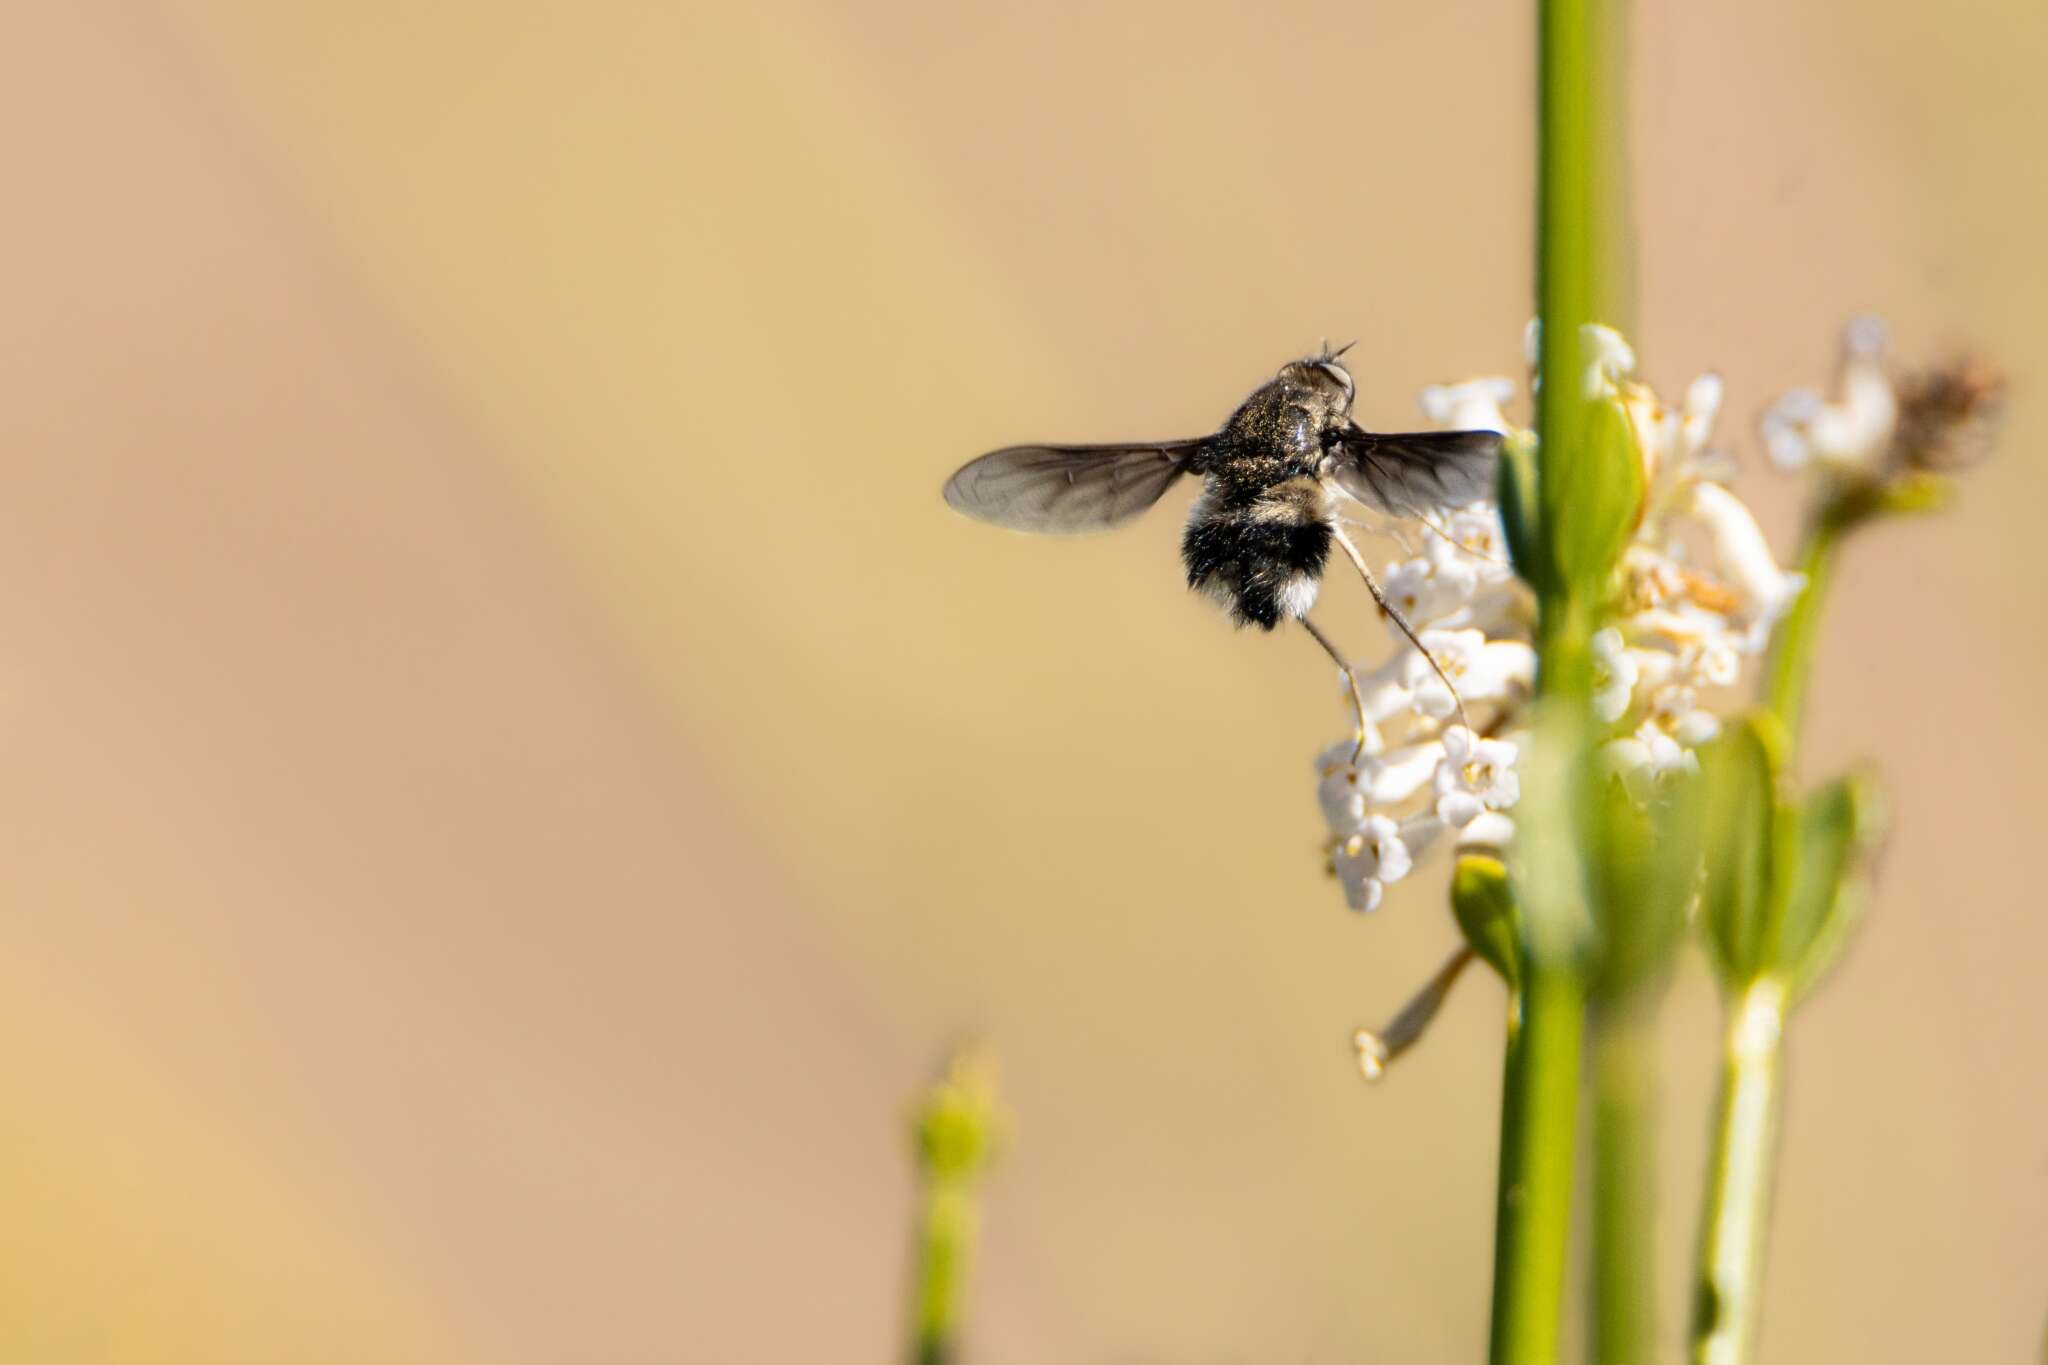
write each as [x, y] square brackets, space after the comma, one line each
[1697, 593]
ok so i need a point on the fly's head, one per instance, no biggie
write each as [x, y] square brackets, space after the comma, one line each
[1321, 385]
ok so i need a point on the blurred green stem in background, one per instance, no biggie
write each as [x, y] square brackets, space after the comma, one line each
[1622, 1049]
[1736, 1212]
[945, 1237]
[1735, 1206]
[957, 1126]
[1839, 509]
[1791, 663]
[1565, 525]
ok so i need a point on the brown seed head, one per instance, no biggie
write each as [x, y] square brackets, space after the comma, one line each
[1948, 416]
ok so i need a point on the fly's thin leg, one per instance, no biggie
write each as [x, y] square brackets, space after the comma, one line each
[1447, 538]
[1350, 680]
[1386, 528]
[1372, 585]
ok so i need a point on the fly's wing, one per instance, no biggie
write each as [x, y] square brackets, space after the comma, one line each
[1067, 488]
[1415, 472]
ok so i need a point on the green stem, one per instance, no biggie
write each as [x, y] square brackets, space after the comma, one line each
[1791, 665]
[1539, 1113]
[1564, 647]
[1622, 1049]
[1735, 1208]
[945, 1240]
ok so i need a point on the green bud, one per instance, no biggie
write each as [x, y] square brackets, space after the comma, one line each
[1520, 513]
[1915, 493]
[1849, 504]
[1784, 881]
[1599, 498]
[1484, 904]
[957, 1125]
[1742, 836]
[1841, 827]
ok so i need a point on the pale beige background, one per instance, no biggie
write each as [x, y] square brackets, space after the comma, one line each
[511, 776]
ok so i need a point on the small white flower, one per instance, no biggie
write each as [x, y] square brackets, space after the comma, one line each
[1362, 894]
[1614, 676]
[1490, 829]
[1404, 771]
[1610, 360]
[1744, 555]
[1713, 661]
[1474, 405]
[1851, 433]
[1653, 668]
[1348, 790]
[1673, 441]
[1470, 550]
[1458, 808]
[1645, 759]
[1377, 850]
[1474, 776]
[1481, 670]
[1653, 579]
[1474, 532]
[1424, 589]
[1341, 792]
[1677, 712]
[1369, 859]
[1783, 427]
[1696, 415]
[1419, 831]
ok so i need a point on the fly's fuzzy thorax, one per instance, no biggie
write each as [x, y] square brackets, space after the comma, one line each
[1279, 429]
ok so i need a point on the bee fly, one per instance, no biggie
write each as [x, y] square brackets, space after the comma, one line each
[1273, 483]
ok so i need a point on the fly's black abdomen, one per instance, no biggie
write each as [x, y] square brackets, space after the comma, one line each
[1263, 560]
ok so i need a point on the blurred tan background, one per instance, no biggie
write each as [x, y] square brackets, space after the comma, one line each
[511, 776]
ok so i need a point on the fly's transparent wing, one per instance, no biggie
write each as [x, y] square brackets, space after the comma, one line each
[1415, 472]
[1067, 488]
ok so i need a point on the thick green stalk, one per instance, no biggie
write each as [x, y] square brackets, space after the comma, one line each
[1539, 1115]
[1622, 1049]
[1581, 227]
[1735, 1208]
[1581, 277]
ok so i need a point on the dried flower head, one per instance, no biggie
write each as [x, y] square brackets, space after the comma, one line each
[1948, 416]
[1883, 424]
